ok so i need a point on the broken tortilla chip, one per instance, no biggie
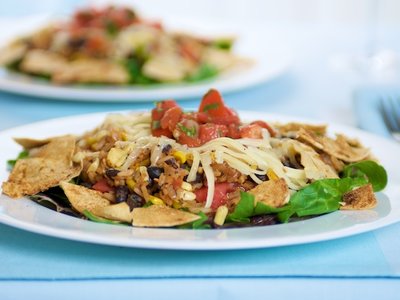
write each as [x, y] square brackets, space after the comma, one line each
[341, 148]
[58, 148]
[82, 198]
[116, 212]
[29, 143]
[33, 175]
[45, 167]
[360, 198]
[274, 193]
[288, 128]
[161, 216]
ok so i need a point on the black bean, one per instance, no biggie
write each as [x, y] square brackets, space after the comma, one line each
[172, 162]
[153, 187]
[185, 166]
[111, 172]
[76, 43]
[166, 149]
[198, 179]
[154, 172]
[121, 193]
[134, 200]
[262, 177]
[86, 184]
[263, 220]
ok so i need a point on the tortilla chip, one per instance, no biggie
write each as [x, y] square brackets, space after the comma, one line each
[274, 193]
[117, 212]
[161, 216]
[29, 143]
[341, 148]
[82, 198]
[58, 148]
[33, 175]
[288, 128]
[360, 198]
[46, 167]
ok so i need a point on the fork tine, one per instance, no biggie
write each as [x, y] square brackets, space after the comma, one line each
[389, 112]
[396, 110]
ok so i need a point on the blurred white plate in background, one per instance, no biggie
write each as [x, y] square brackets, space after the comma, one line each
[270, 61]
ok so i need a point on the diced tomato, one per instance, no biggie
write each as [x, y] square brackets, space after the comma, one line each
[220, 193]
[229, 117]
[158, 113]
[161, 132]
[210, 131]
[234, 131]
[202, 117]
[252, 131]
[264, 125]
[212, 104]
[170, 118]
[102, 186]
[187, 132]
[213, 107]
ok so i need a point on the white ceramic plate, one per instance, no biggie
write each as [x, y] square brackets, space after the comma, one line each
[270, 60]
[30, 216]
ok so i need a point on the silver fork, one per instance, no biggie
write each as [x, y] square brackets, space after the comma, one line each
[390, 111]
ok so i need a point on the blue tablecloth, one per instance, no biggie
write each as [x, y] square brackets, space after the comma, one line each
[366, 266]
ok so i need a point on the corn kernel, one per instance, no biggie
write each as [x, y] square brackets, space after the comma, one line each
[91, 140]
[186, 186]
[131, 183]
[220, 215]
[272, 175]
[116, 157]
[180, 156]
[124, 136]
[145, 162]
[176, 204]
[156, 201]
[188, 196]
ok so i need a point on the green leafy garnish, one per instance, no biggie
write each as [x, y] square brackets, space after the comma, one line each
[370, 170]
[204, 71]
[97, 219]
[224, 44]
[111, 27]
[243, 210]
[11, 162]
[192, 132]
[198, 224]
[210, 107]
[134, 67]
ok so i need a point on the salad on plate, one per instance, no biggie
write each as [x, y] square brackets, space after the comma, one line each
[196, 169]
[116, 46]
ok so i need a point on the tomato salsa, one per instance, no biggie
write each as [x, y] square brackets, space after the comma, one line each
[212, 120]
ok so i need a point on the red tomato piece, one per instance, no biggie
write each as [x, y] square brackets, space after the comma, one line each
[166, 104]
[208, 132]
[229, 117]
[212, 104]
[202, 117]
[171, 117]
[158, 113]
[265, 125]
[161, 132]
[220, 193]
[187, 132]
[234, 131]
[102, 186]
[252, 131]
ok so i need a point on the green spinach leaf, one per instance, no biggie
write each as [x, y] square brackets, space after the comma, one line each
[373, 172]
